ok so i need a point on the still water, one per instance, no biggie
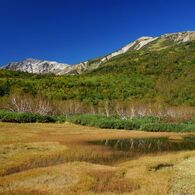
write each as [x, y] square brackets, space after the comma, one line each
[149, 145]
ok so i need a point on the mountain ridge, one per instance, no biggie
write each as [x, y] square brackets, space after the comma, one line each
[44, 66]
[161, 73]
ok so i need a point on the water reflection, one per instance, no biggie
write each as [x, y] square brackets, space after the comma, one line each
[149, 145]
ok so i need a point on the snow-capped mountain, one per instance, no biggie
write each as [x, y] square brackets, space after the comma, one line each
[37, 66]
[44, 66]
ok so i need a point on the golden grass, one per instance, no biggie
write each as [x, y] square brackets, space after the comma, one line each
[57, 159]
[18, 157]
[111, 181]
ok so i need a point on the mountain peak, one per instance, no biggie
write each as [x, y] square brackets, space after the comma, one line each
[144, 38]
[37, 66]
[31, 60]
[152, 43]
[180, 36]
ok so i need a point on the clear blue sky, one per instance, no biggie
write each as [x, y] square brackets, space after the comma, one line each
[71, 31]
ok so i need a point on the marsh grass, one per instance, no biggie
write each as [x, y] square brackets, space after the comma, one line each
[58, 159]
[19, 157]
[25, 192]
[111, 181]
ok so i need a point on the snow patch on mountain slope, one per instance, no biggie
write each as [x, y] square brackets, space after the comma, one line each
[37, 66]
[44, 66]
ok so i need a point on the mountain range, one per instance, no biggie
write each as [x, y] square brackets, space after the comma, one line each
[155, 70]
[151, 43]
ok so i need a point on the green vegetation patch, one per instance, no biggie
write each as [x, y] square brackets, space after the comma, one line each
[19, 117]
[147, 123]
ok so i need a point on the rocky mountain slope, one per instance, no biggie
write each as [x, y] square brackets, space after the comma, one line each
[37, 66]
[150, 43]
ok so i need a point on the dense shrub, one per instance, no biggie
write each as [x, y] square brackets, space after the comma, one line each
[148, 123]
[139, 121]
[93, 120]
[7, 116]
[59, 118]
[111, 122]
[170, 127]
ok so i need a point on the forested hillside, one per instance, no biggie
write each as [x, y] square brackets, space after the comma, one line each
[161, 73]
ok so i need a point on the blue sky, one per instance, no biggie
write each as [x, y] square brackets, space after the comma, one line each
[71, 31]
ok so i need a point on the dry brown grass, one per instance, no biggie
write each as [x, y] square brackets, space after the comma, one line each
[57, 159]
[111, 181]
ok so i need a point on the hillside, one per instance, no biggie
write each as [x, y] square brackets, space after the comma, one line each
[152, 43]
[162, 72]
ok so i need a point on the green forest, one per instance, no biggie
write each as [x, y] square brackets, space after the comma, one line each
[163, 75]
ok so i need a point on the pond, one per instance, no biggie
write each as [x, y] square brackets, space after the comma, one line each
[148, 145]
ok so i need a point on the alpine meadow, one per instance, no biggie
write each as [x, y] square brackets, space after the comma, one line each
[79, 116]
